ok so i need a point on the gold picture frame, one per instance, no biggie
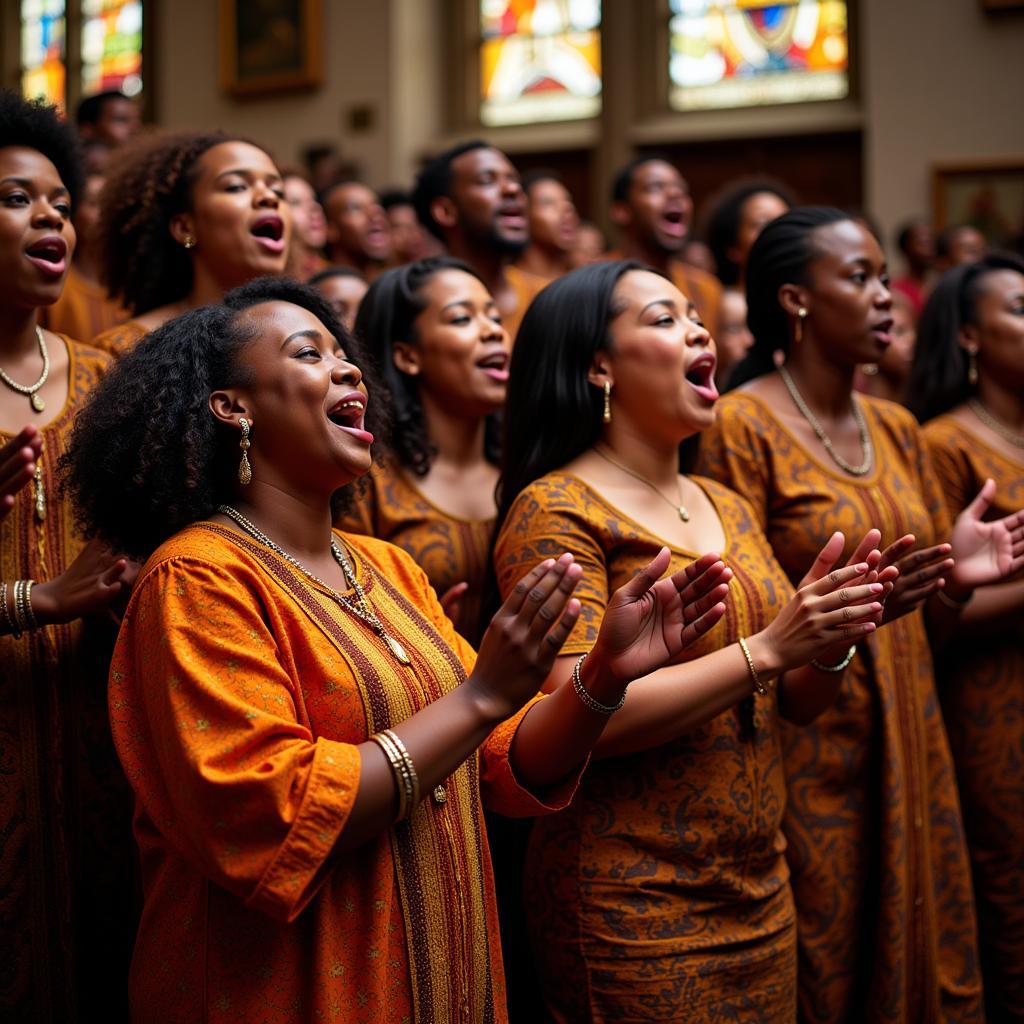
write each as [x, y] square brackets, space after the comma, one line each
[270, 46]
[988, 194]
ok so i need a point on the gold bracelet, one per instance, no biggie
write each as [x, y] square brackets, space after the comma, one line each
[839, 666]
[952, 602]
[397, 770]
[8, 621]
[30, 615]
[759, 687]
[586, 699]
[410, 769]
[20, 623]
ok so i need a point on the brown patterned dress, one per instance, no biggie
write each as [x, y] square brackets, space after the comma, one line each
[120, 339]
[67, 873]
[662, 893]
[981, 685]
[879, 863]
[447, 548]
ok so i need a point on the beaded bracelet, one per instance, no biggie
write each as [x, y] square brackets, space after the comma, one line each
[759, 688]
[8, 621]
[585, 698]
[30, 616]
[822, 667]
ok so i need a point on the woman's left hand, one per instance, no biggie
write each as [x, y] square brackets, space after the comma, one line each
[986, 553]
[649, 621]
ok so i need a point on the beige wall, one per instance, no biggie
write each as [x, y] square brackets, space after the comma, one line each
[942, 81]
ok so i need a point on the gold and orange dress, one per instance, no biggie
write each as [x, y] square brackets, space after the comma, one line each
[981, 686]
[238, 693]
[121, 339]
[83, 310]
[66, 855]
[876, 848]
[447, 548]
[527, 287]
[661, 894]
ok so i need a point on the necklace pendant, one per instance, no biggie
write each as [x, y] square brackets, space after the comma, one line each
[397, 650]
[37, 401]
[683, 514]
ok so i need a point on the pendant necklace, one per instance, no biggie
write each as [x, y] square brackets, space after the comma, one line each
[360, 607]
[32, 390]
[680, 508]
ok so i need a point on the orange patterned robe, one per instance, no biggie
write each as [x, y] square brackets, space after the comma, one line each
[876, 847]
[238, 692]
[83, 310]
[527, 286]
[448, 549]
[981, 685]
[66, 856]
[662, 893]
[121, 339]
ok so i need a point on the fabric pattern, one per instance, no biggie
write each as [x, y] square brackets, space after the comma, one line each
[66, 855]
[981, 684]
[661, 894]
[121, 339]
[526, 286]
[447, 548]
[83, 310]
[879, 865]
[238, 692]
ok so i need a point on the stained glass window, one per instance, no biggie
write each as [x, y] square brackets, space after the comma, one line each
[739, 53]
[42, 50]
[540, 60]
[111, 46]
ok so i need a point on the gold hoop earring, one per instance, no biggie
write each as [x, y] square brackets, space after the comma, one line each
[244, 469]
[972, 367]
[189, 242]
[607, 417]
[798, 329]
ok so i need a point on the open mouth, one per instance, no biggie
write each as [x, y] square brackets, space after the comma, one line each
[882, 331]
[269, 232]
[701, 377]
[512, 216]
[673, 222]
[49, 255]
[348, 414]
[495, 365]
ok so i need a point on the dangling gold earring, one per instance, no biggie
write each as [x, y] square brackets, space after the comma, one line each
[972, 367]
[244, 469]
[189, 242]
[607, 401]
[798, 329]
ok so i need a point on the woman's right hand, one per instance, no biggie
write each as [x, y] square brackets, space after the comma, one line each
[521, 643]
[89, 583]
[17, 465]
[832, 606]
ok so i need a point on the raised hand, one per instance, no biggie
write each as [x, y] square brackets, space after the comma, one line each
[90, 583]
[17, 465]
[986, 552]
[451, 600]
[524, 637]
[920, 574]
[831, 607]
[649, 621]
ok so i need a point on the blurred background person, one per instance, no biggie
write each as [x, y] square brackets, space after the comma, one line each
[358, 234]
[309, 226]
[553, 223]
[960, 243]
[409, 240]
[344, 289]
[916, 243]
[590, 244]
[109, 117]
[889, 376]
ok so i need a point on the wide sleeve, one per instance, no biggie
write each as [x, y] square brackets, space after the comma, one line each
[500, 789]
[205, 720]
[734, 452]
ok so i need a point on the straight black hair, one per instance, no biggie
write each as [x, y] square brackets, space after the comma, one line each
[938, 378]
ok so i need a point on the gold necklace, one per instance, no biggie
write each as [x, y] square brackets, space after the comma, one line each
[680, 508]
[862, 427]
[990, 421]
[32, 390]
[360, 608]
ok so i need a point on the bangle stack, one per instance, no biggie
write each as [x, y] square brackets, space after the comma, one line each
[759, 687]
[839, 666]
[18, 616]
[951, 602]
[406, 780]
[586, 700]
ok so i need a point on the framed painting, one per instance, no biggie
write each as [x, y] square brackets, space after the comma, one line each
[987, 194]
[269, 46]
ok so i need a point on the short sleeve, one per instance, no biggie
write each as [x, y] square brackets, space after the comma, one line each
[204, 715]
[545, 522]
[734, 452]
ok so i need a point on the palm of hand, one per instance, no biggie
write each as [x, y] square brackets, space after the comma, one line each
[983, 551]
[639, 635]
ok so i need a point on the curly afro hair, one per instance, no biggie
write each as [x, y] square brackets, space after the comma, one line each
[35, 125]
[140, 262]
[147, 457]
